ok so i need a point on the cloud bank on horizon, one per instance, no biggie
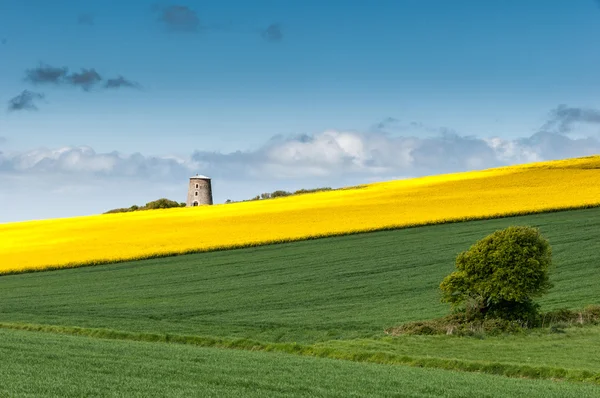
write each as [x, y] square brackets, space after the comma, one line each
[331, 153]
[328, 154]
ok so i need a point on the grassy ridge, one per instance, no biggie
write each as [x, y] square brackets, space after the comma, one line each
[572, 349]
[333, 288]
[570, 358]
[69, 366]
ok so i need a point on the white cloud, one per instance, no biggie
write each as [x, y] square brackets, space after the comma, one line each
[84, 161]
[77, 180]
[338, 154]
[325, 155]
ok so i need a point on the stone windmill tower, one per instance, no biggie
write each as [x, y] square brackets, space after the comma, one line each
[199, 191]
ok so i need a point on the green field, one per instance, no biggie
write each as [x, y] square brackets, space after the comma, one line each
[52, 365]
[576, 348]
[318, 290]
[333, 295]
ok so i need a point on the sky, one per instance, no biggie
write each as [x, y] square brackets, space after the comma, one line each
[107, 104]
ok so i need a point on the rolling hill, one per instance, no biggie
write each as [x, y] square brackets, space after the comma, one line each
[524, 189]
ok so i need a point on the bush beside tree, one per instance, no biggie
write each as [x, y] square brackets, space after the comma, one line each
[162, 203]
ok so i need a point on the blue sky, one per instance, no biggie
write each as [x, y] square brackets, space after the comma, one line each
[353, 91]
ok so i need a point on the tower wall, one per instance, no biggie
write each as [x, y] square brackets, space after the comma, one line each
[202, 194]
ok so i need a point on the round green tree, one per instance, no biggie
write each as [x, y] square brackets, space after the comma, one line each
[501, 274]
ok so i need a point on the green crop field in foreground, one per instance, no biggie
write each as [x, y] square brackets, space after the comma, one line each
[333, 288]
[334, 296]
[41, 364]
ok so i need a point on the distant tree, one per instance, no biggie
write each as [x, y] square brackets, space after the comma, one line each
[281, 193]
[301, 191]
[501, 274]
[162, 203]
[278, 194]
[120, 210]
[228, 201]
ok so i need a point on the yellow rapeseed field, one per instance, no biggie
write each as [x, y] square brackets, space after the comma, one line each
[520, 189]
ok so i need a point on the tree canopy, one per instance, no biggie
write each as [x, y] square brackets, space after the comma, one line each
[501, 274]
[162, 203]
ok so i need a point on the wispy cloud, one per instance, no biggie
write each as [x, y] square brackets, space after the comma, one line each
[25, 101]
[86, 79]
[46, 74]
[397, 126]
[121, 82]
[180, 18]
[85, 161]
[564, 118]
[272, 33]
[387, 122]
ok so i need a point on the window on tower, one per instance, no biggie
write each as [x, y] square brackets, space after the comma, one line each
[195, 193]
[197, 186]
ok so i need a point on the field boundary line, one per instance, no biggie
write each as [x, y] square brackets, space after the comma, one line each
[315, 350]
[393, 227]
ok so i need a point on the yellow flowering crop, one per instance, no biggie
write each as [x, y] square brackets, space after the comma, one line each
[113, 237]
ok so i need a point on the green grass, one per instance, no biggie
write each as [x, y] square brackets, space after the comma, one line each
[544, 359]
[333, 296]
[319, 290]
[39, 364]
[575, 348]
